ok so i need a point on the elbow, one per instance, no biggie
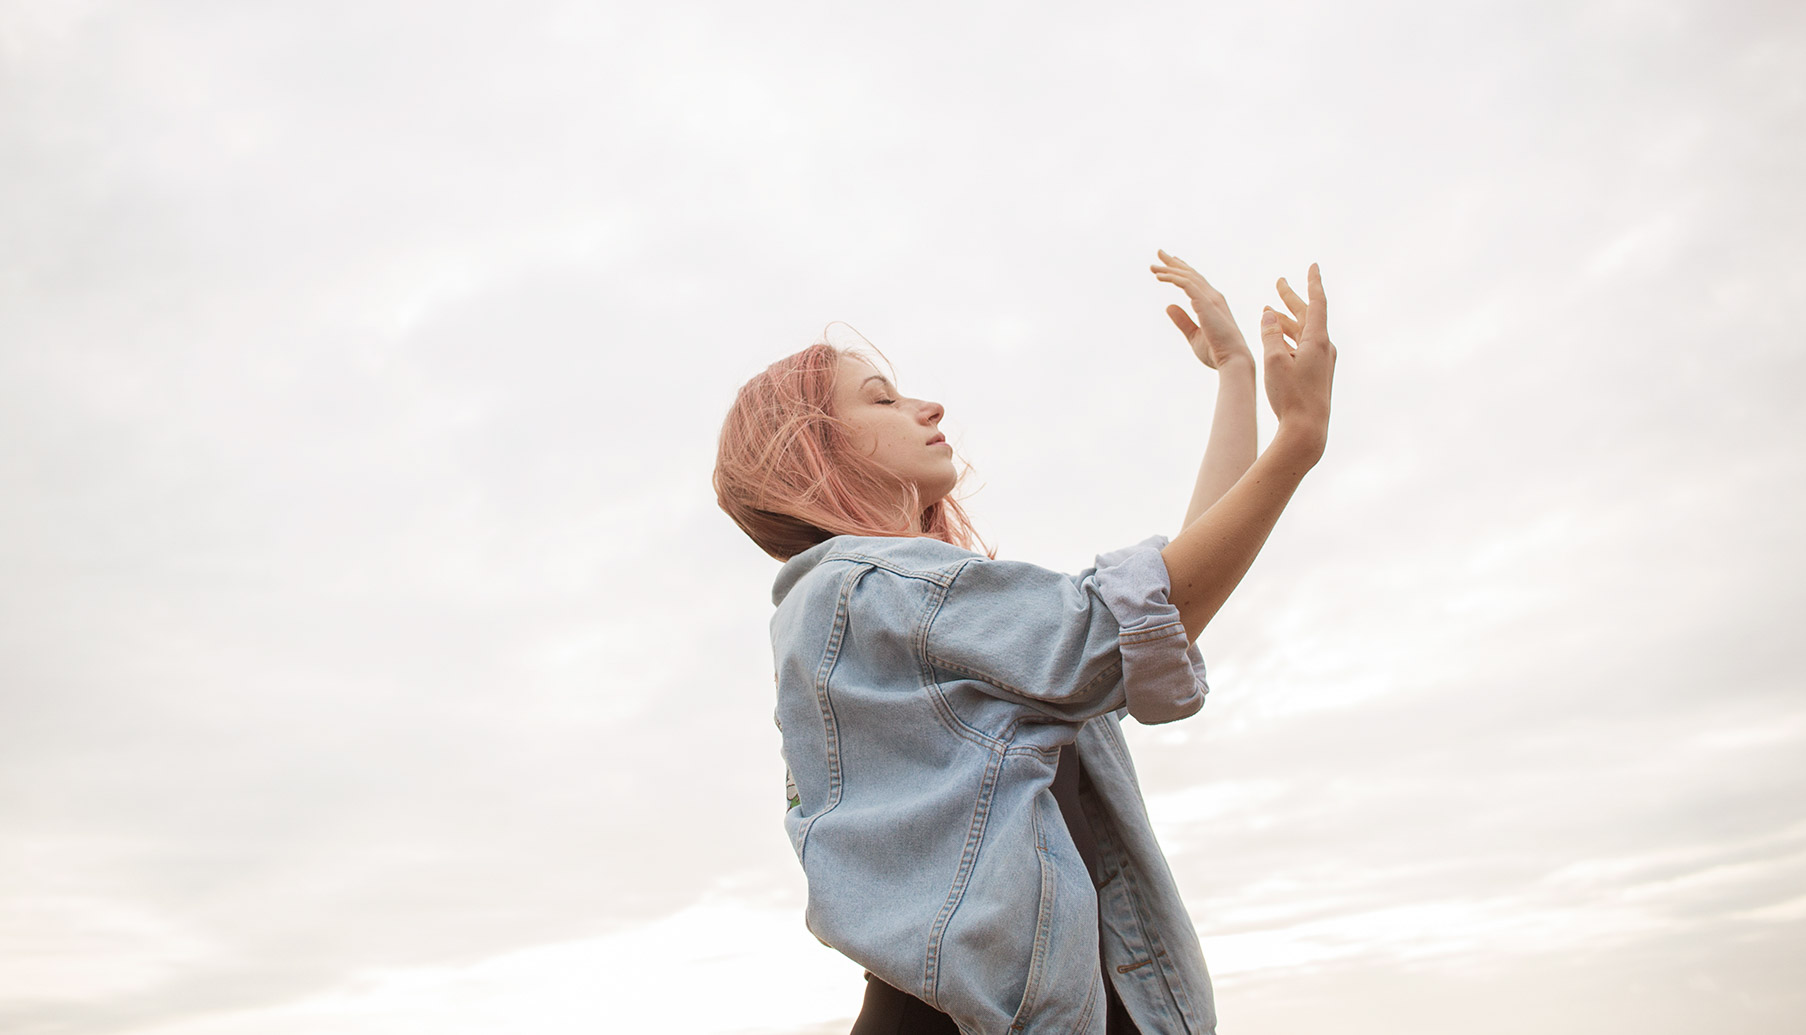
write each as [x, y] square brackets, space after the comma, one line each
[1163, 677]
[1154, 709]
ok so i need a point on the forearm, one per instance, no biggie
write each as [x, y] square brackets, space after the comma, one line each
[1208, 559]
[1233, 438]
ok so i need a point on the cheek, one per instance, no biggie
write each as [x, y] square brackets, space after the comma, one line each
[862, 440]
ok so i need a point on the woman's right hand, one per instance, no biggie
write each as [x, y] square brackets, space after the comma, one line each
[1298, 373]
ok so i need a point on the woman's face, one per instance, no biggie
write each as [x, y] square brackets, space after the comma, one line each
[901, 434]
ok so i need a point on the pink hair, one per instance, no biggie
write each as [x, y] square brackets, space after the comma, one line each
[787, 473]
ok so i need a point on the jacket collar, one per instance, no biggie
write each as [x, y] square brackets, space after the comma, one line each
[798, 566]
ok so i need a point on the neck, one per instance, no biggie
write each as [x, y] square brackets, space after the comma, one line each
[912, 523]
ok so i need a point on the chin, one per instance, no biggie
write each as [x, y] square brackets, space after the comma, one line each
[936, 485]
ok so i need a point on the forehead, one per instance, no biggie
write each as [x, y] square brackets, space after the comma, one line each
[854, 373]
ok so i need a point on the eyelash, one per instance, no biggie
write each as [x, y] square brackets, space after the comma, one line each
[886, 402]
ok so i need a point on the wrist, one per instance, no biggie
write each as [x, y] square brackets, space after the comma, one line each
[1301, 440]
[1241, 364]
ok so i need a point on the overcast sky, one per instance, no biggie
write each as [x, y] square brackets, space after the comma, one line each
[374, 658]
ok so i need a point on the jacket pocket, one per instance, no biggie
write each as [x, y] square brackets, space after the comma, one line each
[1065, 956]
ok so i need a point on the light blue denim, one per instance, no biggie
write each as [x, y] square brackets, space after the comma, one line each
[924, 693]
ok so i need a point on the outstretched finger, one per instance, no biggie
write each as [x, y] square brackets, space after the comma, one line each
[1271, 336]
[1193, 284]
[1291, 299]
[1316, 323]
[1179, 266]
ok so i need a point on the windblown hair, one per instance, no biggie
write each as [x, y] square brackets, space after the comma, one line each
[787, 473]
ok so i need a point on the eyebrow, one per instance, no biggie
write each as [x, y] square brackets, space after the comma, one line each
[875, 377]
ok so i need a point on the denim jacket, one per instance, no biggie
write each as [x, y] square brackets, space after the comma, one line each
[924, 693]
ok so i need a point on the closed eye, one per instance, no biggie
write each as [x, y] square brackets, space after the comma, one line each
[886, 402]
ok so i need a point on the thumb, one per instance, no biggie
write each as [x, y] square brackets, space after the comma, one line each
[1182, 321]
[1271, 336]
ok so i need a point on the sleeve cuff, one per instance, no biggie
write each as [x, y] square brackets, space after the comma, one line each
[1162, 673]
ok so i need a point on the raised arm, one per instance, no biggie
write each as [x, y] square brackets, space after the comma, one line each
[1234, 440]
[1208, 559]
[1218, 343]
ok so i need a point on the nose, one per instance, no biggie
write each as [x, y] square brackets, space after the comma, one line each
[933, 411]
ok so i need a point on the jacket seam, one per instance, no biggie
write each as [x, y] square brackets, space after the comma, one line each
[1176, 989]
[1085, 1014]
[1157, 954]
[824, 701]
[968, 861]
[1037, 961]
[1109, 675]
[1159, 632]
[936, 694]
[938, 575]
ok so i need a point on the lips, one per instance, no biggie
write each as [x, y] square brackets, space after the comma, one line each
[937, 440]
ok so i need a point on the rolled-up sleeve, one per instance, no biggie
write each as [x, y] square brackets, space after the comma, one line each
[1073, 646]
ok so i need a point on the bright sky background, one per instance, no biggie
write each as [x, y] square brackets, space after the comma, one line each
[374, 659]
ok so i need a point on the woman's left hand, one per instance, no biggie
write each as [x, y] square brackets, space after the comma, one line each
[1214, 337]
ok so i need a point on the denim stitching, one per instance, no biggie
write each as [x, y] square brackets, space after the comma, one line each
[1159, 632]
[942, 706]
[1037, 961]
[830, 728]
[934, 575]
[1109, 676]
[968, 860]
[1157, 948]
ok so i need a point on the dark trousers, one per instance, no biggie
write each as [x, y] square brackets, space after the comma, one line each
[889, 1011]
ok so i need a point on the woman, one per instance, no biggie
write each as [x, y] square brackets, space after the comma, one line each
[962, 800]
